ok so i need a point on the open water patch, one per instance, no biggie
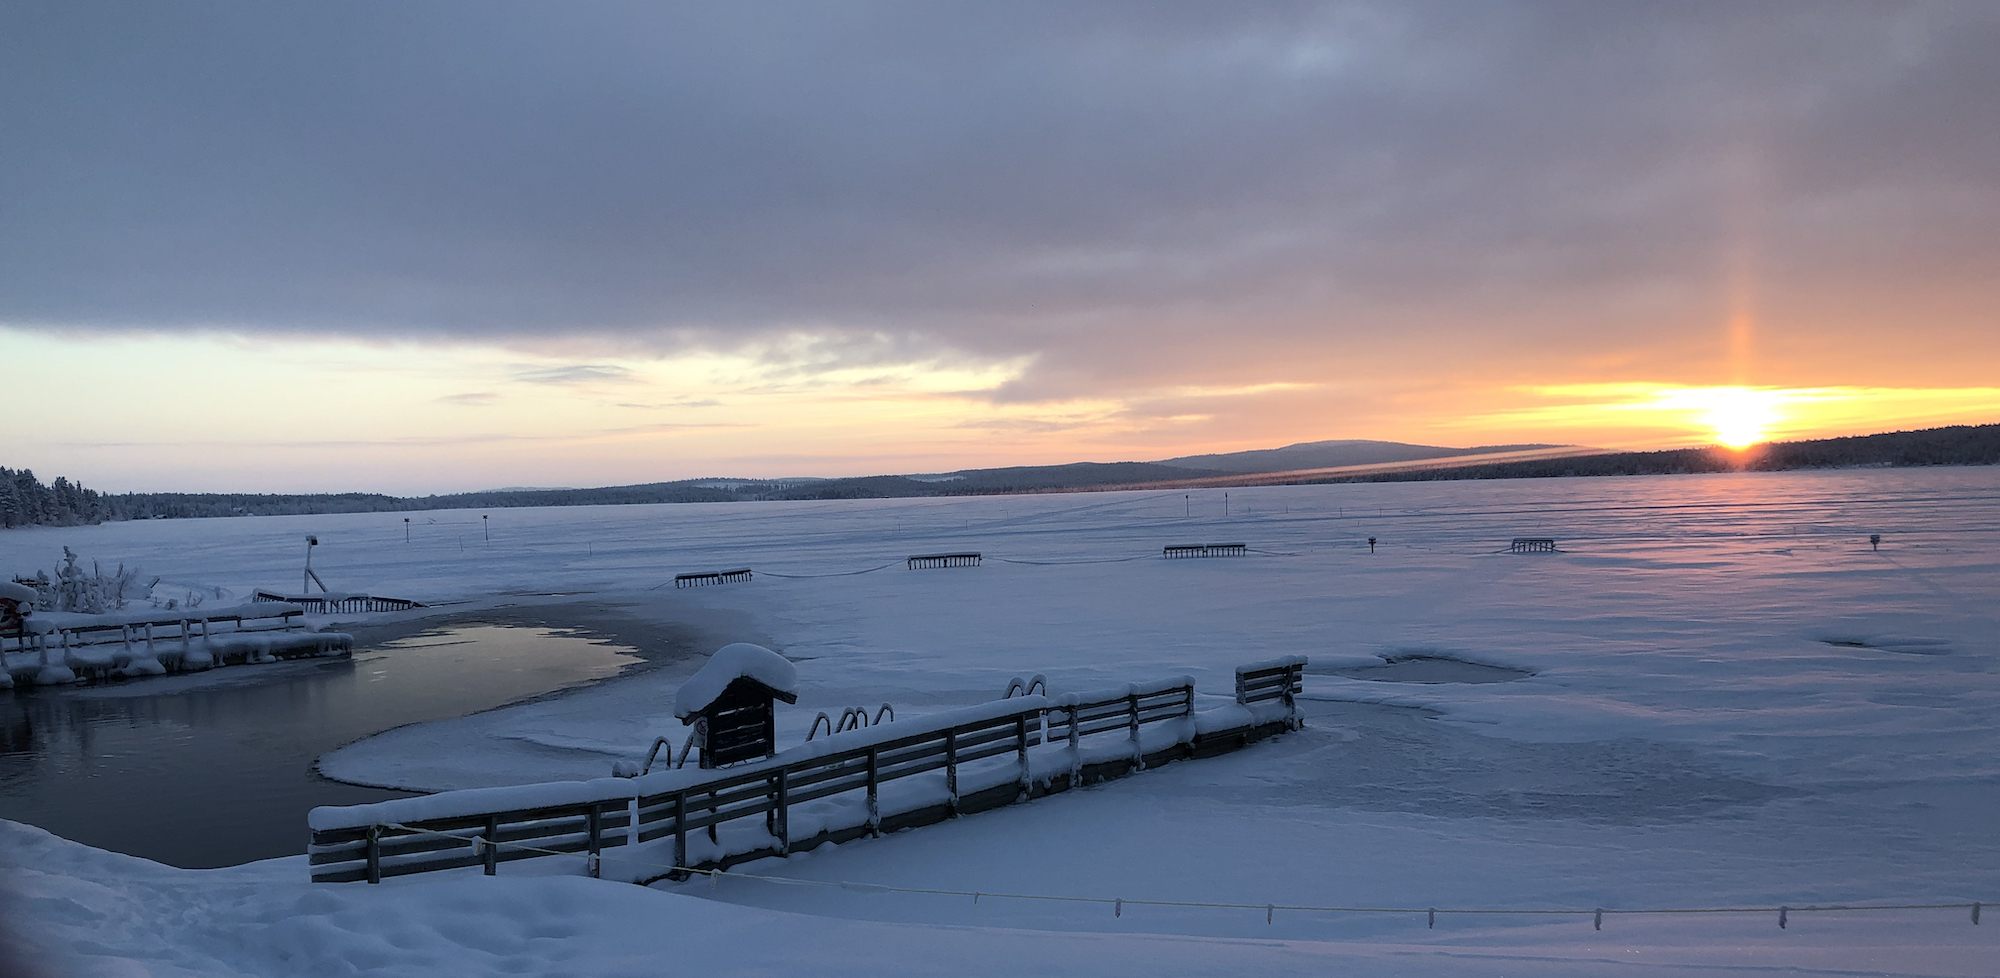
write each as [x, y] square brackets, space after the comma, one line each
[211, 774]
[1900, 646]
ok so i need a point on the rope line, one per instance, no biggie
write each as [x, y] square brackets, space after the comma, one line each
[1065, 563]
[808, 577]
[1269, 908]
[1343, 545]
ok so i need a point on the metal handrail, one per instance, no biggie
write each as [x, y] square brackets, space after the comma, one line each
[687, 748]
[852, 718]
[1027, 687]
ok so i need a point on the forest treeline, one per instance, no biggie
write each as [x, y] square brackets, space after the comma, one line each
[26, 501]
[1958, 445]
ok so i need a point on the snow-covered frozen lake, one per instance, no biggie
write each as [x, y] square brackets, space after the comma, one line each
[1717, 694]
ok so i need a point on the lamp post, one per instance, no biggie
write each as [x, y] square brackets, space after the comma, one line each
[406, 529]
[309, 579]
[486, 528]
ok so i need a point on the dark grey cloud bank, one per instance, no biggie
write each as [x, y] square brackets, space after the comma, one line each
[1137, 193]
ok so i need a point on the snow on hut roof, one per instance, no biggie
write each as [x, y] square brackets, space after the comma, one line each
[740, 660]
[17, 592]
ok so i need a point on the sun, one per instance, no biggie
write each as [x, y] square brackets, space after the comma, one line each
[1739, 416]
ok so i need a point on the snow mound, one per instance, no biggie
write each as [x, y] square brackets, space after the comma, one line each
[739, 660]
[17, 592]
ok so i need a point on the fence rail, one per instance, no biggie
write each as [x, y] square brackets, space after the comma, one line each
[704, 578]
[987, 755]
[922, 561]
[327, 604]
[41, 631]
[1180, 550]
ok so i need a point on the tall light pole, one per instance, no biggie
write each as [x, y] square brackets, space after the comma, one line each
[406, 529]
[1187, 505]
[486, 528]
[310, 578]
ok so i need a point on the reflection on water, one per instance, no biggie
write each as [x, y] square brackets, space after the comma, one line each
[215, 769]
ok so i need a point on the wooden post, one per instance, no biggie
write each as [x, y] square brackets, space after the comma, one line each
[951, 771]
[374, 854]
[784, 813]
[593, 823]
[1021, 752]
[490, 858]
[1132, 724]
[680, 830]
[874, 807]
[1187, 710]
[1075, 754]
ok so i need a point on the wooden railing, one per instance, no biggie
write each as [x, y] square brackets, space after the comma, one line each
[327, 604]
[1272, 680]
[1532, 545]
[983, 752]
[922, 561]
[1178, 550]
[700, 578]
[190, 624]
[1128, 711]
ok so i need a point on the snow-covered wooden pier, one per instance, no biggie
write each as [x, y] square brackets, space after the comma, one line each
[337, 603]
[54, 647]
[847, 786]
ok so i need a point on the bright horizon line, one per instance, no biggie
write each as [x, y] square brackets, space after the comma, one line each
[1589, 449]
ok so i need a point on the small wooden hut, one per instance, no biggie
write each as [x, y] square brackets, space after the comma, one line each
[732, 703]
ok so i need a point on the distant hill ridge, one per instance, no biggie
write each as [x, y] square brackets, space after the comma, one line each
[25, 501]
[1331, 454]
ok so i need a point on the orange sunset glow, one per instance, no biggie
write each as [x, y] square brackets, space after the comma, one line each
[1287, 227]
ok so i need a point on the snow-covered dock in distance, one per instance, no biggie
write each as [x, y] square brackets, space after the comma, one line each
[828, 791]
[338, 603]
[54, 647]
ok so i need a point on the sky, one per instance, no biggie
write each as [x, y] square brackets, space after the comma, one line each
[448, 246]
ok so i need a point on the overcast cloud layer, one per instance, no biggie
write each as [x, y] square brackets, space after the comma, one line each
[1127, 195]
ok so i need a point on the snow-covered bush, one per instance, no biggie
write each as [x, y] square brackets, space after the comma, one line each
[94, 593]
